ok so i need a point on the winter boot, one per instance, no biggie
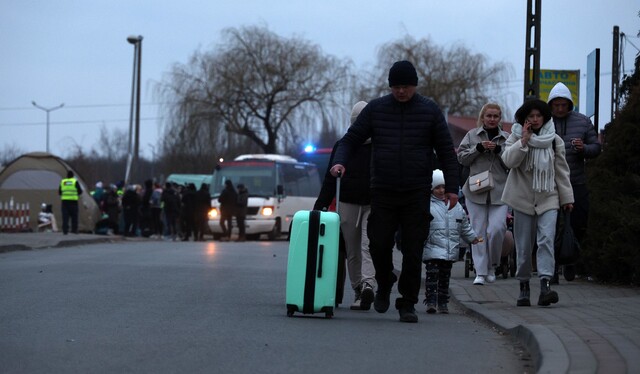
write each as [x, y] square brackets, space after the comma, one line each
[523, 299]
[547, 297]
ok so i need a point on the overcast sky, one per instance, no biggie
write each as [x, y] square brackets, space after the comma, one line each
[76, 53]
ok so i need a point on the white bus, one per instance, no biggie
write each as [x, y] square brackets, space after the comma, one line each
[278, 186]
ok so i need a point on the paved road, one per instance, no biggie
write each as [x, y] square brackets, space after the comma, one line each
[164, 307]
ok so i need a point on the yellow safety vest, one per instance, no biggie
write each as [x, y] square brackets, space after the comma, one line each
[69, 190]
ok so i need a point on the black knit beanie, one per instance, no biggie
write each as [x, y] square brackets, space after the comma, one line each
[402, 73]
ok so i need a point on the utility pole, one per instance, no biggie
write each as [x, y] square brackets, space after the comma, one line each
[134, 118]
[532, 51]
[615, 73]
[48, 110]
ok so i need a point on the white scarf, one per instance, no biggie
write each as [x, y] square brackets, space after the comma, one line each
[540, 157]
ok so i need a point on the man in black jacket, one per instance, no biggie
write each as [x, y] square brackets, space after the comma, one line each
[355, 206]
[405, 128]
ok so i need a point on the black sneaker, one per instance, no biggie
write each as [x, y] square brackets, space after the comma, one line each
[408, 314]
[381, 302]
[366, 297]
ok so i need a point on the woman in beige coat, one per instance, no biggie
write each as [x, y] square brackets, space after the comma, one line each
[481, 150]
[537, 186]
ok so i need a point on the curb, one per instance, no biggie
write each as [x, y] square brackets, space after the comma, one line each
[60, 244]
[547, 351]
[13, 247]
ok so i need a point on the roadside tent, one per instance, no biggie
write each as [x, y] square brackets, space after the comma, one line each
[34, 178]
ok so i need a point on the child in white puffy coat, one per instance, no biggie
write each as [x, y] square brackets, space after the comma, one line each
[447, 228]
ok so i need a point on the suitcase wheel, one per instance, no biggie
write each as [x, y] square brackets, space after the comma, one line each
[290, 311]
[328, 315]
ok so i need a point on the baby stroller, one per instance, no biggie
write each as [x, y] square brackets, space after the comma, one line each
[508, 260]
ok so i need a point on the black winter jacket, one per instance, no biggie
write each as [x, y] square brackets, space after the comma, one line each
[577, 125]
[404, 137]
[354, 186]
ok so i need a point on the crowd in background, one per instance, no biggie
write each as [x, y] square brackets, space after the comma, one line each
[173, 211]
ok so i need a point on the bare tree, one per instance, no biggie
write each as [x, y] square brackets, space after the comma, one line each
[10, 153]
[256, 86]
[114, 145]
[455, 77]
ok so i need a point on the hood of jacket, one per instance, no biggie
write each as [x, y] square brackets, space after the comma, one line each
[560, 91]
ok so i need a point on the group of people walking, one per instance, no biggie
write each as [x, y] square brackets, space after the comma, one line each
[391, 150]
[172, 212]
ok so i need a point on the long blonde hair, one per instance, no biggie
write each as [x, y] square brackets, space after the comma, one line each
[484, 109]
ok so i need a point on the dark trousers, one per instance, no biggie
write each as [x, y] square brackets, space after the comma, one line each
[200, 225]
[226, 224]
[156, 218]
[409, 212]
[437, 281]
[69, 211]
[130, 221]
[580, 211]
[241, 220]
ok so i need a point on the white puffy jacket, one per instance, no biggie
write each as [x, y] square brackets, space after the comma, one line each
[445, 231]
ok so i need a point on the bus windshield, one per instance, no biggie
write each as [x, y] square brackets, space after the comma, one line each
[259, 178]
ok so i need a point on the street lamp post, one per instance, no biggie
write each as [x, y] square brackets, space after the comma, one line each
[134, 115]
[48, 110]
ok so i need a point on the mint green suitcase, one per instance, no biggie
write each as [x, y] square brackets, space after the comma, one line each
[312, 268]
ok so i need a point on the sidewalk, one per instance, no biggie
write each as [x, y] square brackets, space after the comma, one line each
[593, 329]
[28, 240]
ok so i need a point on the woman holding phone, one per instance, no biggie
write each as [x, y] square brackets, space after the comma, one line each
[537, 186]
[480, 150]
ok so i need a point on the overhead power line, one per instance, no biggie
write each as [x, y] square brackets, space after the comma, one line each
[78, 122]
[82, 106]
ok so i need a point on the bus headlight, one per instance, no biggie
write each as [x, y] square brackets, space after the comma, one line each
[213, 213]
[267, 211]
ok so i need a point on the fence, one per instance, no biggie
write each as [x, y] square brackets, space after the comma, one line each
[14, 217]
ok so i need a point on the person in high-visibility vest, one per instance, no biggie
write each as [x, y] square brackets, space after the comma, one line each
[69, 191]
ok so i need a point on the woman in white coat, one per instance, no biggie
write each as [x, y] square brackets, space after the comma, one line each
[481, 150]
[537, 186]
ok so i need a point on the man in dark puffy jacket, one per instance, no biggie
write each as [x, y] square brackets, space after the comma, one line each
[355, 206]
[581, 143]
[405, 128]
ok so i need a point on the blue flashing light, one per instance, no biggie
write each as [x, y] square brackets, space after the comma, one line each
[309, 148]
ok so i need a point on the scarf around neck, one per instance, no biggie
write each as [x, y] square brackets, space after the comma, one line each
[540, 157]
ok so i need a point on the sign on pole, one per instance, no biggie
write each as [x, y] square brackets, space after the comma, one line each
[570, 78]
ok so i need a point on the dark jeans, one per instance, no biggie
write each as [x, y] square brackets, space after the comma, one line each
[409, 212]
[170, 227]
[579, 216]
[69, 211]
[437, 281]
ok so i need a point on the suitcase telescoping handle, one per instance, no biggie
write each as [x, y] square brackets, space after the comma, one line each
[338, 178]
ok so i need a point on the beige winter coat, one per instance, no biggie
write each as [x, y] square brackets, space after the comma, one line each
[518, 191]
[478, 162]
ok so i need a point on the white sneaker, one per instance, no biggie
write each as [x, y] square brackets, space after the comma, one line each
[491, 277]
[479, 281]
